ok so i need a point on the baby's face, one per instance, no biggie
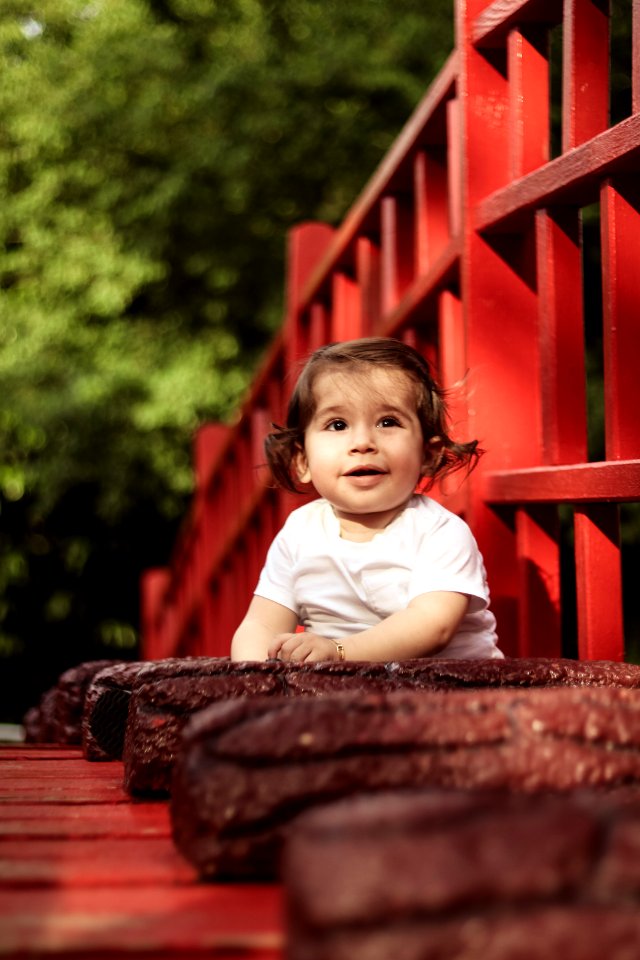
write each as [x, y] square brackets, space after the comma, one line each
[364, 449]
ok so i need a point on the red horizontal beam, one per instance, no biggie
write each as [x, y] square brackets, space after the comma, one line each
[403, 147]
[610, 481]
[493, 24]
[439, 275]
[572, 178]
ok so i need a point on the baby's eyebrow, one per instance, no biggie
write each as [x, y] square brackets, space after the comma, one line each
[384, 410]
[333, 411]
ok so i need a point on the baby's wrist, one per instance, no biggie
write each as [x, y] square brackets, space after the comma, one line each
[339, 648]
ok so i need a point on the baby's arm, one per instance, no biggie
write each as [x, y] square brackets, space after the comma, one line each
[264, 620]
[423, 628]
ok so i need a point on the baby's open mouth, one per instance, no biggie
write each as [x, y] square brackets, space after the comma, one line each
[365, 472]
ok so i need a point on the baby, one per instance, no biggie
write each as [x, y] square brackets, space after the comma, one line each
[370, 570]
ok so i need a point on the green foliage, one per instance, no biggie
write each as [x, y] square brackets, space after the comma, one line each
[153, 154]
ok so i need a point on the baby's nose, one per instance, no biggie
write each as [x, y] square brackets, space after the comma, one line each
[363, 439]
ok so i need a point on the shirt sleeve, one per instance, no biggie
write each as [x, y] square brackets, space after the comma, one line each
[276, 580]
[449, 560]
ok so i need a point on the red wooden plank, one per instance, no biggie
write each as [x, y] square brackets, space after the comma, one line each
[23, 769]
[427, 287]
[346, 316]
[528, 71]
[537, 536]
[431, 193]
[54, 791]
[307, 244]
[500, 311]
[607, 481]
[635, 57]
[562, 361]
[415, 131]
[99, 821]
[241, 922]
[493, 23]
[585, 71]
[38, 751]
[572, 178]
[112, 862]
[620, 226]
[454, 166]
[599, 583]
[368, 275]
[396, 250]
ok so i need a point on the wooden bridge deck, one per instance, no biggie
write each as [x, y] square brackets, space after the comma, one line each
[87, 873]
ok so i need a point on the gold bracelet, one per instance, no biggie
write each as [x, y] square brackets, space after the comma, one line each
[339, 648]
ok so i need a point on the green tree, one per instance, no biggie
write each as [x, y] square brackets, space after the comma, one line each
[153, 154]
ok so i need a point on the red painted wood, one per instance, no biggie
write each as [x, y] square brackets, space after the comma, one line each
[606, 481]
[599, 582]
[175, 923]
[104, 880]
[538, 534]
[428, 119]
[467, 243]
[39, 751]
[620, 222]
[368, 276]
[23, 769]
[346, 320]
[493, 23]
[528, 70]
[29, 821]
[454, 166]
[635, 57]
[307, 244]
[562, 364]
[431, 190]
[154, 585]
[572, 178]
[396, 250]
[585, 71]
[51, 790]
[79, 862]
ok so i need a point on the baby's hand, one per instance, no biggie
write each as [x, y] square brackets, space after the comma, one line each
[302, 646]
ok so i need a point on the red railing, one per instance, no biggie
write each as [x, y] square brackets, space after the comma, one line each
[468, 243]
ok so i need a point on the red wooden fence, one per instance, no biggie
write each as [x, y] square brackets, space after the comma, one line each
[467, 242]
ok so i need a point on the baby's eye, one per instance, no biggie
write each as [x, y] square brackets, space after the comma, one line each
[389, 422]
[337, 425]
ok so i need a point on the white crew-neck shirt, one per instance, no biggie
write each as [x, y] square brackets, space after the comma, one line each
[339, 587]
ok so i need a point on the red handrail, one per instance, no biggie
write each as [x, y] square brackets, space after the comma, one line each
[468, 243]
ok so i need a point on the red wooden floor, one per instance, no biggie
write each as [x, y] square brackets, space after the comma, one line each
[86, 873]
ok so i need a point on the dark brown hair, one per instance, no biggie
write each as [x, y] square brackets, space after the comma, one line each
[284, 443]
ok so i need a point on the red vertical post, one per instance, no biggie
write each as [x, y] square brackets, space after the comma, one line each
[307, 243]
[620, 225]
[209, 442]
[396, 227]
[431, 192]
[599, 582]
[635, 57]
[500, 308]
[346, 318]
[368, 276]
[452, 369]
[562, 364]
[528, 71]
[538, 534]
[585, 71]
[318, 329]
[454, 165]
[153, 588]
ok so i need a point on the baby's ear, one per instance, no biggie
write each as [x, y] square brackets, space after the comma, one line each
[301, 466]
[432, 454]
